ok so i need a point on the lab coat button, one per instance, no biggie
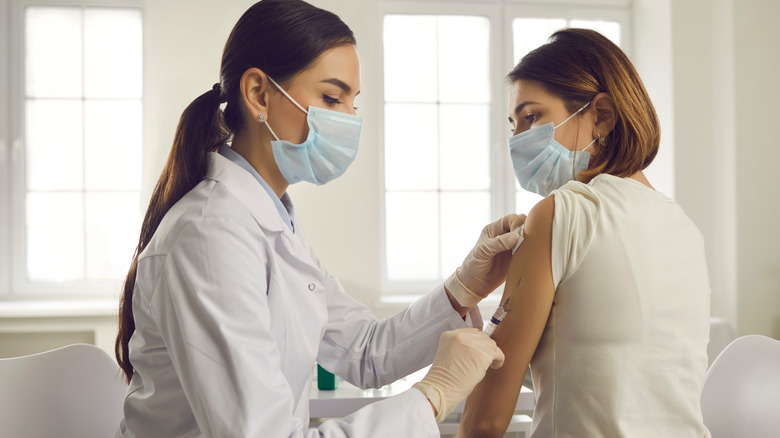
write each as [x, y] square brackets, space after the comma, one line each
[311, 286]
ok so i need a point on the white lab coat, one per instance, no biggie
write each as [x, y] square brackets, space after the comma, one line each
[232, 309]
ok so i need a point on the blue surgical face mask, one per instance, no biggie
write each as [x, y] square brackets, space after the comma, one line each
[328, 150]
[542, 164]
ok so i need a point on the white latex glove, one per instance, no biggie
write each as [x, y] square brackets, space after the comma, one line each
[461, 361]
[485, 267]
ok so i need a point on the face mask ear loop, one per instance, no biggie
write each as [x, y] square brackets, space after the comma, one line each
[589, 145]
[272, 131]
[568, 118]
[583, 150]
[287, 95]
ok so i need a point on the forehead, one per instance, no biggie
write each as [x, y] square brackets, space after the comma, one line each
[530, 91]
[340, 62]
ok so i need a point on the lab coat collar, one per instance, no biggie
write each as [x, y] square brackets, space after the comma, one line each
[248, 191]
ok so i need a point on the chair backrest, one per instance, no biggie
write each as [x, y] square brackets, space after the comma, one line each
[741, 395]
[73, 391]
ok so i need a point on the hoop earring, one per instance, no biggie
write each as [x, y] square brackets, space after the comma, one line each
[261, 118]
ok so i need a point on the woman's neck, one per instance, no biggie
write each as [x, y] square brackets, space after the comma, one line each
[256, 149]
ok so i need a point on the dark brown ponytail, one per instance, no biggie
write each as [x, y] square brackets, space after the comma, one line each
[201, 130]
[282, 38]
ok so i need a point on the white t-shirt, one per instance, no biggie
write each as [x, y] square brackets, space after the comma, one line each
[624, 352]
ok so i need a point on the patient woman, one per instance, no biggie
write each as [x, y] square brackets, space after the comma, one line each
[609, 290]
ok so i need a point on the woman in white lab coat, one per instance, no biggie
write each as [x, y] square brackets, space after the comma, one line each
[226, 308]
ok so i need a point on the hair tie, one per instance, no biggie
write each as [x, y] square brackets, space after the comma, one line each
[217, 88]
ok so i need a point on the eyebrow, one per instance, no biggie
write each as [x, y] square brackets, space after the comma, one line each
[339, 83]
[519, 108]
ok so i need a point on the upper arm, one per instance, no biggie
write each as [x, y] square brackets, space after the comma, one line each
[530, 288]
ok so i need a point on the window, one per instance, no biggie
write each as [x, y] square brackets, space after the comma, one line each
[437, 123]
[76, 173]
[447, 169]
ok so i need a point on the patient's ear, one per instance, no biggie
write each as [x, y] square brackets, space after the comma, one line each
[606, 115]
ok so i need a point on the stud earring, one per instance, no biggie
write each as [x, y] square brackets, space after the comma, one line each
[602, 140]
[261, 118]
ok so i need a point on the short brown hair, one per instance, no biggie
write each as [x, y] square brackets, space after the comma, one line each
[577, 64]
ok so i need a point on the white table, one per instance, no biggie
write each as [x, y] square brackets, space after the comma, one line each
[347, 398]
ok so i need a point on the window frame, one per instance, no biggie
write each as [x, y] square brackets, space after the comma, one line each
[501, 14]
[17, 286]
[6, 149]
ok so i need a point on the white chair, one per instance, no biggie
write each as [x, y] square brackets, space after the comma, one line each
[741, 395]
[73, 391]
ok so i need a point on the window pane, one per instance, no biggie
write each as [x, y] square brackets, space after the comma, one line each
[53, 138]
[410, 58]
[412, 239]
[52, 52]
[530, 33]
[411, 146]
[465, 146]
[55, 236]
[113, 145]
[609, 29]
[525, 201]
[464, 63]
[112, 53]
[464, 214]
[113, 225]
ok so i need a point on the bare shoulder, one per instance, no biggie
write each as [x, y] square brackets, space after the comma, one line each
[541, 215]
[533, 256]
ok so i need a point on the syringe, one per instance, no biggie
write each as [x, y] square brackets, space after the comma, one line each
[496, 319]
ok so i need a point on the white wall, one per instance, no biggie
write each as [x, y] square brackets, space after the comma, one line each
[756, 79]
[726, 66]
[704, 127]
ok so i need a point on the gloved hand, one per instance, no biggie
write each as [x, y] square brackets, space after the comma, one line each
[460, 363]
[485, 267]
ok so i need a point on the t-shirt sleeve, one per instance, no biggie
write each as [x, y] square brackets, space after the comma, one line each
[574, 222]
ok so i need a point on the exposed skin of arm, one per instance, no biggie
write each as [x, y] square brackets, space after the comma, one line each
[490, 406]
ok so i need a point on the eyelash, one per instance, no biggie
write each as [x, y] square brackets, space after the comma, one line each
[331, 101]
[530, 116]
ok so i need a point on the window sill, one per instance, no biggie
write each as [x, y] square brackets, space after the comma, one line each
[58, 308]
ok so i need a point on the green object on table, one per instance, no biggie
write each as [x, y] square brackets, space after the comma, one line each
[325, 380]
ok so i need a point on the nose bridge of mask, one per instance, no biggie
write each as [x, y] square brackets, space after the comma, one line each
[340, 132]
[335, 126]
